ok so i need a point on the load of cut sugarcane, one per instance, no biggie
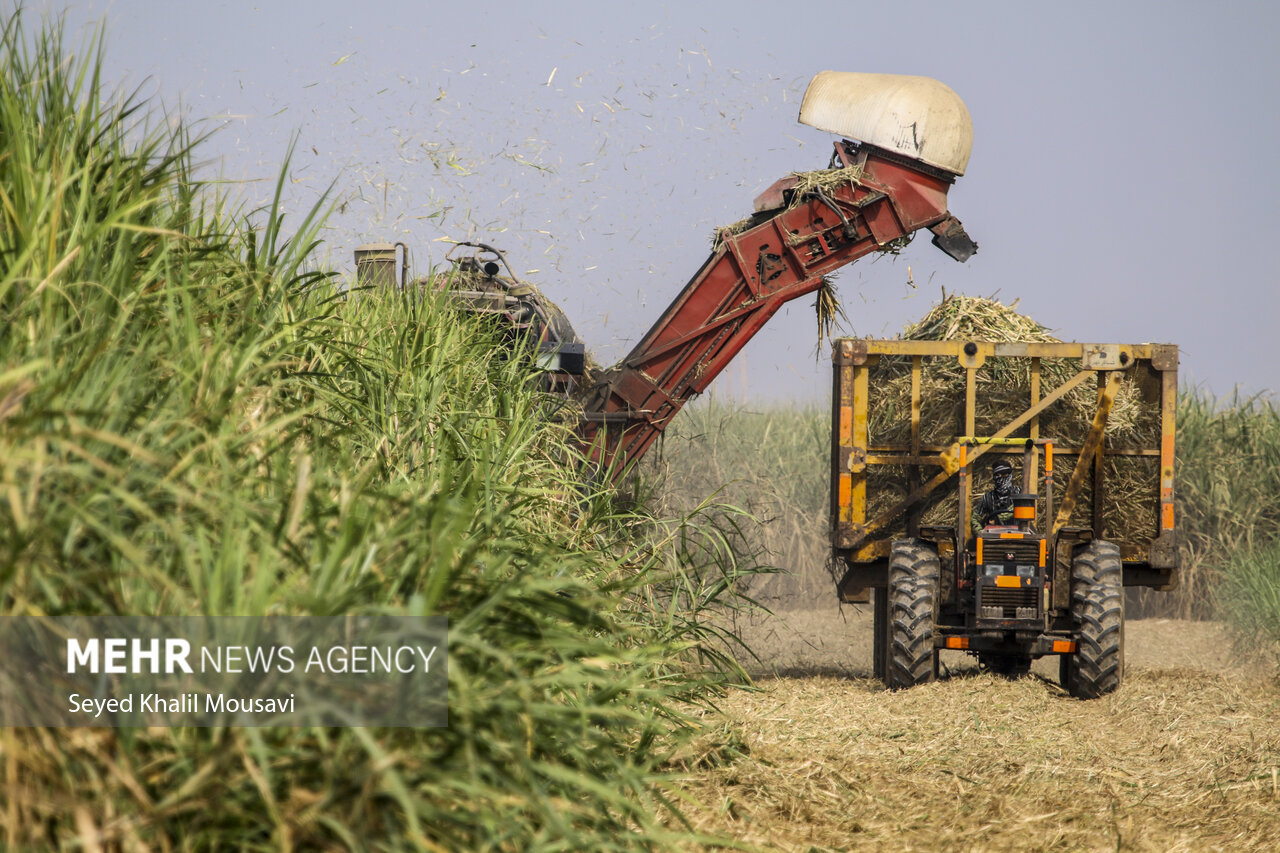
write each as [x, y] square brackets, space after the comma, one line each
[1002, 392]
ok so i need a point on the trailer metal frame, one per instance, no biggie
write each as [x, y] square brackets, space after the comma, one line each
[861, 544]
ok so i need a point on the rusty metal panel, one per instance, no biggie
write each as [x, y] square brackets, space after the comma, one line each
[1103, 357]
[883, 224]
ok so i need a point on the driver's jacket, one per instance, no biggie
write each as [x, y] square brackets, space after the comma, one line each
[992, 510]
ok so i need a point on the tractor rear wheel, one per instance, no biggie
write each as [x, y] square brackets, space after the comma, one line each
[1097, 615]
[913, 593]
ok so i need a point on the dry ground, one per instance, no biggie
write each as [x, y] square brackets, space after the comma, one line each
[1186, 756]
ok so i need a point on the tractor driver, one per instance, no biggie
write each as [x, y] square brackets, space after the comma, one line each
[996, 506]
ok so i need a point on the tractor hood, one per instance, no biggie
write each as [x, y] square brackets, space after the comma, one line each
[917, 117]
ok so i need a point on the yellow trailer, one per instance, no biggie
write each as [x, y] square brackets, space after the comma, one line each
[915, 426]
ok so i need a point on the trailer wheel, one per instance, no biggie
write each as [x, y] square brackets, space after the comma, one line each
[912, 599]
[880, 631]
[1097, 614]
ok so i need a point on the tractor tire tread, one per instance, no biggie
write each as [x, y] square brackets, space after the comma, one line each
[914, 570]
[1097, 611]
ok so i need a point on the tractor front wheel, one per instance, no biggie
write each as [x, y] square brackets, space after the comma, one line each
[1097, 614]
[912, 598]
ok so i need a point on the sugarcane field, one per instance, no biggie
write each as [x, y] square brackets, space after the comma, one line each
[638, 427]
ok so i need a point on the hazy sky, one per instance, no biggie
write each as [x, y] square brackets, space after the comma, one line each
[1123, 182]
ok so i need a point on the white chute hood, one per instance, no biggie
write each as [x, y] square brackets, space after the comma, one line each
[917, 117]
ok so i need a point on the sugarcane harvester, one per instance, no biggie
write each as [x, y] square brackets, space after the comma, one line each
[913, 138]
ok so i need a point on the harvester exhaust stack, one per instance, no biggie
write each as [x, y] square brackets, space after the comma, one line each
[915, 117]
